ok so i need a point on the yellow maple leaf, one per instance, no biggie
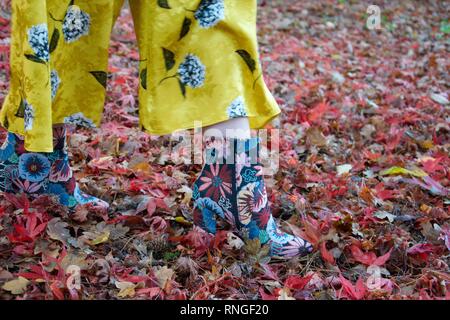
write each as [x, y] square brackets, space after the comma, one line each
[16, 286]
[101, 238]
[416, 172]
[127, 289]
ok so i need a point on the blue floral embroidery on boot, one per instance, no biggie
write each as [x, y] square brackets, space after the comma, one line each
[225, 203]
[41, 173]
[195, 192]
[34, 167]
[249, 175]
[7, 149]
[59, 191]
[251, 209]
[84, 198]
[205, 214]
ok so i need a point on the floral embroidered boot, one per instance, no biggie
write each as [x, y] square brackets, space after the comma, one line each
[42, 173]
[234, 191]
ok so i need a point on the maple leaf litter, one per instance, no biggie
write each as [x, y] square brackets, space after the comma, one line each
[364, 174]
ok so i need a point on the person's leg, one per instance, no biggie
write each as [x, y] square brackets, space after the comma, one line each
[231, 186]
[236, 128]
[48, 73]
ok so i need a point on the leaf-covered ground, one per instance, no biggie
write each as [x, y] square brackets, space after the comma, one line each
[364, 174]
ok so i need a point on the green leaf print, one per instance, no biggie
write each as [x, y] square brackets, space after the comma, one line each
[6, 123]
[101, 77]
[21, 110]
[143, 77]
[182, 87]
[169, 58]
[247, 57]
[164, 4]
[54, 40]
[34, 58]
[185, 28]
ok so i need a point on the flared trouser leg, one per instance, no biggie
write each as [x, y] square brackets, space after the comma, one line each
[59, 66]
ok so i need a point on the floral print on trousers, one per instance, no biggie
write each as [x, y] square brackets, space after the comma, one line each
[195, 55]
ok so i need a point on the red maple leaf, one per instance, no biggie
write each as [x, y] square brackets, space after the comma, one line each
[422, 251]
[27, 231]
[384, 194]
[354, 292]
[316, 113]
[369, 258]
[297, 282]
[326, 255]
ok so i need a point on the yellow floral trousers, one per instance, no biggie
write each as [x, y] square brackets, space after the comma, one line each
[199, 62]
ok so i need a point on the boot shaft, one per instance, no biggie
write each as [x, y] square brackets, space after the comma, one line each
[36, 172]
[231, 185]
[231, 151]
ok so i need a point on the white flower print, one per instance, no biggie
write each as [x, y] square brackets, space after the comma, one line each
[76, 24]
[28, 116]
[38, 41]
[192, 71]
[252, 198]
[55, 81]
[237, 108]
[79, 119]
[210, 13]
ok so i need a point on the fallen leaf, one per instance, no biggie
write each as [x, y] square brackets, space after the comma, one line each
[16, 286]
[384, 215]
[399, 170]
[326, 255]
[296, 282]
[164, 275]
[284, 294]
[57, 230]
[234, 241]
[439, 98]
[127, 289]
[102, 238]
[343, 169]
[315, 137]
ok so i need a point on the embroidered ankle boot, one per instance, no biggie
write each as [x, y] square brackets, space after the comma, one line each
[231, 187]
[37, 173]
